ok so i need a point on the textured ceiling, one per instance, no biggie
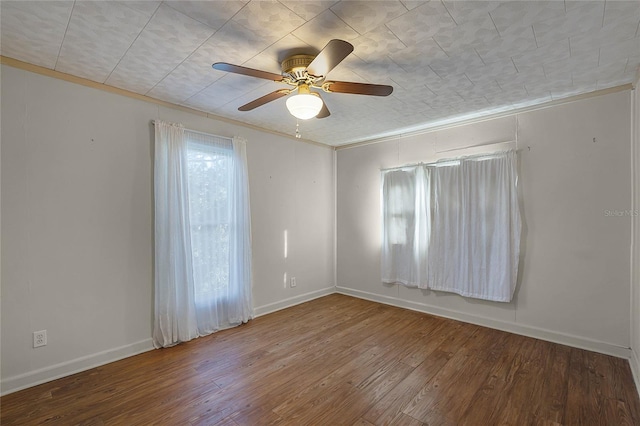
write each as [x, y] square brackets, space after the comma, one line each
[445, 59]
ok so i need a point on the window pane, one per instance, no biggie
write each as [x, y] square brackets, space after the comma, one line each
[399, 207]
[209, 182]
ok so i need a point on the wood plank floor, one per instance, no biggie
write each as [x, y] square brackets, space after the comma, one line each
[339, 360]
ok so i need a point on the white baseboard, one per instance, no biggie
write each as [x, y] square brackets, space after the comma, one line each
[292, 301]
[524, 330]
[47, 374]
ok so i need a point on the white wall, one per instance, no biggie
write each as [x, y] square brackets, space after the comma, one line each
[635, 252]
[77, 240]
[574, 280]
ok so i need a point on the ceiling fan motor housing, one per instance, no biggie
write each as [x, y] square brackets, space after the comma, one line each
[296, 66]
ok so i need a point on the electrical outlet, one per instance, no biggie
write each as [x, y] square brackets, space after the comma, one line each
[292, 282]
[39, 338]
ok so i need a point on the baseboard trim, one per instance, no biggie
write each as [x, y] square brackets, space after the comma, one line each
[57, 371]
[63, 369]
[524, 330]
[292, 301]
[47, 374]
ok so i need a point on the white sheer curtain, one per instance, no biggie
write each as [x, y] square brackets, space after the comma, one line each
[405, 231]
[453, 226]
[476, 248]
[240, 249]
[202, 234]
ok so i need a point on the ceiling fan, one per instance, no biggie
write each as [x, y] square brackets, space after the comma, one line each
[306, 72]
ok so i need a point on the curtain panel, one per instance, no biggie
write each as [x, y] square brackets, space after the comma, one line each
[453, 226]
[202, 234]
[405, 237]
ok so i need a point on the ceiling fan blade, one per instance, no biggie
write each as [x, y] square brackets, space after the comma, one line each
[357, 88]
[237, 69]
[265, 99]
[324, 112]
[332, 54]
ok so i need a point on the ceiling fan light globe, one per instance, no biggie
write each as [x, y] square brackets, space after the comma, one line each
[304, 106]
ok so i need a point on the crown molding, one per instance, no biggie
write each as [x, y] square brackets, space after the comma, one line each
[25, 66]
[464, 122]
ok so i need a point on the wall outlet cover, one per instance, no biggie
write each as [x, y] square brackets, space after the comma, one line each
[39, 338]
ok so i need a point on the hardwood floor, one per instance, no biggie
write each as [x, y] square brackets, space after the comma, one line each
[343, 361]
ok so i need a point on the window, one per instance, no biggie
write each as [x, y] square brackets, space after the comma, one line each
[202, 234]
[209, 180]
[400, 192]
[458, 230]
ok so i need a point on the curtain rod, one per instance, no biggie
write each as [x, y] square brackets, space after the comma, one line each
[478, 146]
[446, 160]
[201, 133]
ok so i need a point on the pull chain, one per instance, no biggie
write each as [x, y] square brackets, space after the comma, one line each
[298, 135]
